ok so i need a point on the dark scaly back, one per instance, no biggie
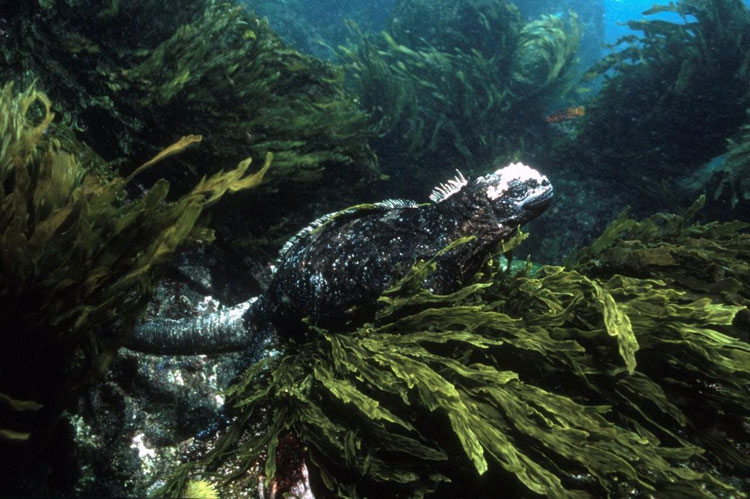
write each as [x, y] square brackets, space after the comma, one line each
[333, 271]
[334, 268]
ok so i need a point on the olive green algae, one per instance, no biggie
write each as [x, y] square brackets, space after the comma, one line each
[670, 98]
[458, 84]
[580, 381]
[625, 372]
[78, 262]
[130, 77]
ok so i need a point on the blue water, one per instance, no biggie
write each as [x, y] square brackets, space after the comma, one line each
[325, 20]
[618, 12]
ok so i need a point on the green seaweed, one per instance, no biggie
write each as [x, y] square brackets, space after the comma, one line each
[306, 124]
[78, 259]
[456, 84]
[701, 260]
[729, 185]
[17, 406]
[129, 77]
[544, 52]
[640, 130]
[593, 381]
[488, 26]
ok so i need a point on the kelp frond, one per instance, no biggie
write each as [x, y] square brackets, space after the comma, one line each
[560, 384]
[546, 50]
[451, 82]
[731, 183]
[200, 489]
[656, 86]
[700, 260]
[282, 101]
[203, 67]
[17, 406]
[77, 256]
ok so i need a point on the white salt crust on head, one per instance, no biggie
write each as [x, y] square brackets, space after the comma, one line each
[514, 171]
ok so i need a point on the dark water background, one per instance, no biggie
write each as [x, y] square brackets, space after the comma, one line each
[630, 149]
[328, 17]
[319, 27]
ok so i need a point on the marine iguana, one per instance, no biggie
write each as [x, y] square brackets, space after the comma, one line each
[333, 271]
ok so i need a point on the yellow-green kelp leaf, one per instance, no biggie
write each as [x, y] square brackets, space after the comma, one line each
[618, 325]
[446, 83]
[165, 153]
[200, 489]
[78, 256]
[515, 382]
[13, 436]
[348, 393]
[19, 405]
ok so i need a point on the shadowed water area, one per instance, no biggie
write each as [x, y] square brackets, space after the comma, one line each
[312, 248]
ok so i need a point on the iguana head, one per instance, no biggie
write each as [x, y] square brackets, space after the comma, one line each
[511, 195]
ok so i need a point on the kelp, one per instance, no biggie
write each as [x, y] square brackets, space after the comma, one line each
[640, 130]
[709, 260]
[456, 84]
[314, 27]
[17, 406]
[200, 66]
[730, 184]
[591, 15]
[544, 52]
[201, 490]
[282, 101]
[488, 26]
[563, 383]
[130, 77]
[78, 259]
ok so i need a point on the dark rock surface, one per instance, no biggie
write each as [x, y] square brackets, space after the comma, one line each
[133, 426]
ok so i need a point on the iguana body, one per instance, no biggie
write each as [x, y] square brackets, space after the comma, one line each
[333, 271]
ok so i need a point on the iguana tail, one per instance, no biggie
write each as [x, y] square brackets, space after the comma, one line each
[226, 330]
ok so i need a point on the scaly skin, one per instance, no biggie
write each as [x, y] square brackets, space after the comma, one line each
[333, 272]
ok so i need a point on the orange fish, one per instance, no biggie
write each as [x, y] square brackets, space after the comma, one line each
[570, 113]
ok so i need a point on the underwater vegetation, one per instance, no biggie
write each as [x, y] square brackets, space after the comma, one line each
[622, 374]
[701, 260]
[455, 84]
[669, 100]
[626, 372]
[316, 28]
[130, 77]
[590, 14]
[729, 187]
[78, 262]
[149, 70]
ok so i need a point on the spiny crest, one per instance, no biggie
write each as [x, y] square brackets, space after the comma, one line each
[449, 188]
[394, 204]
